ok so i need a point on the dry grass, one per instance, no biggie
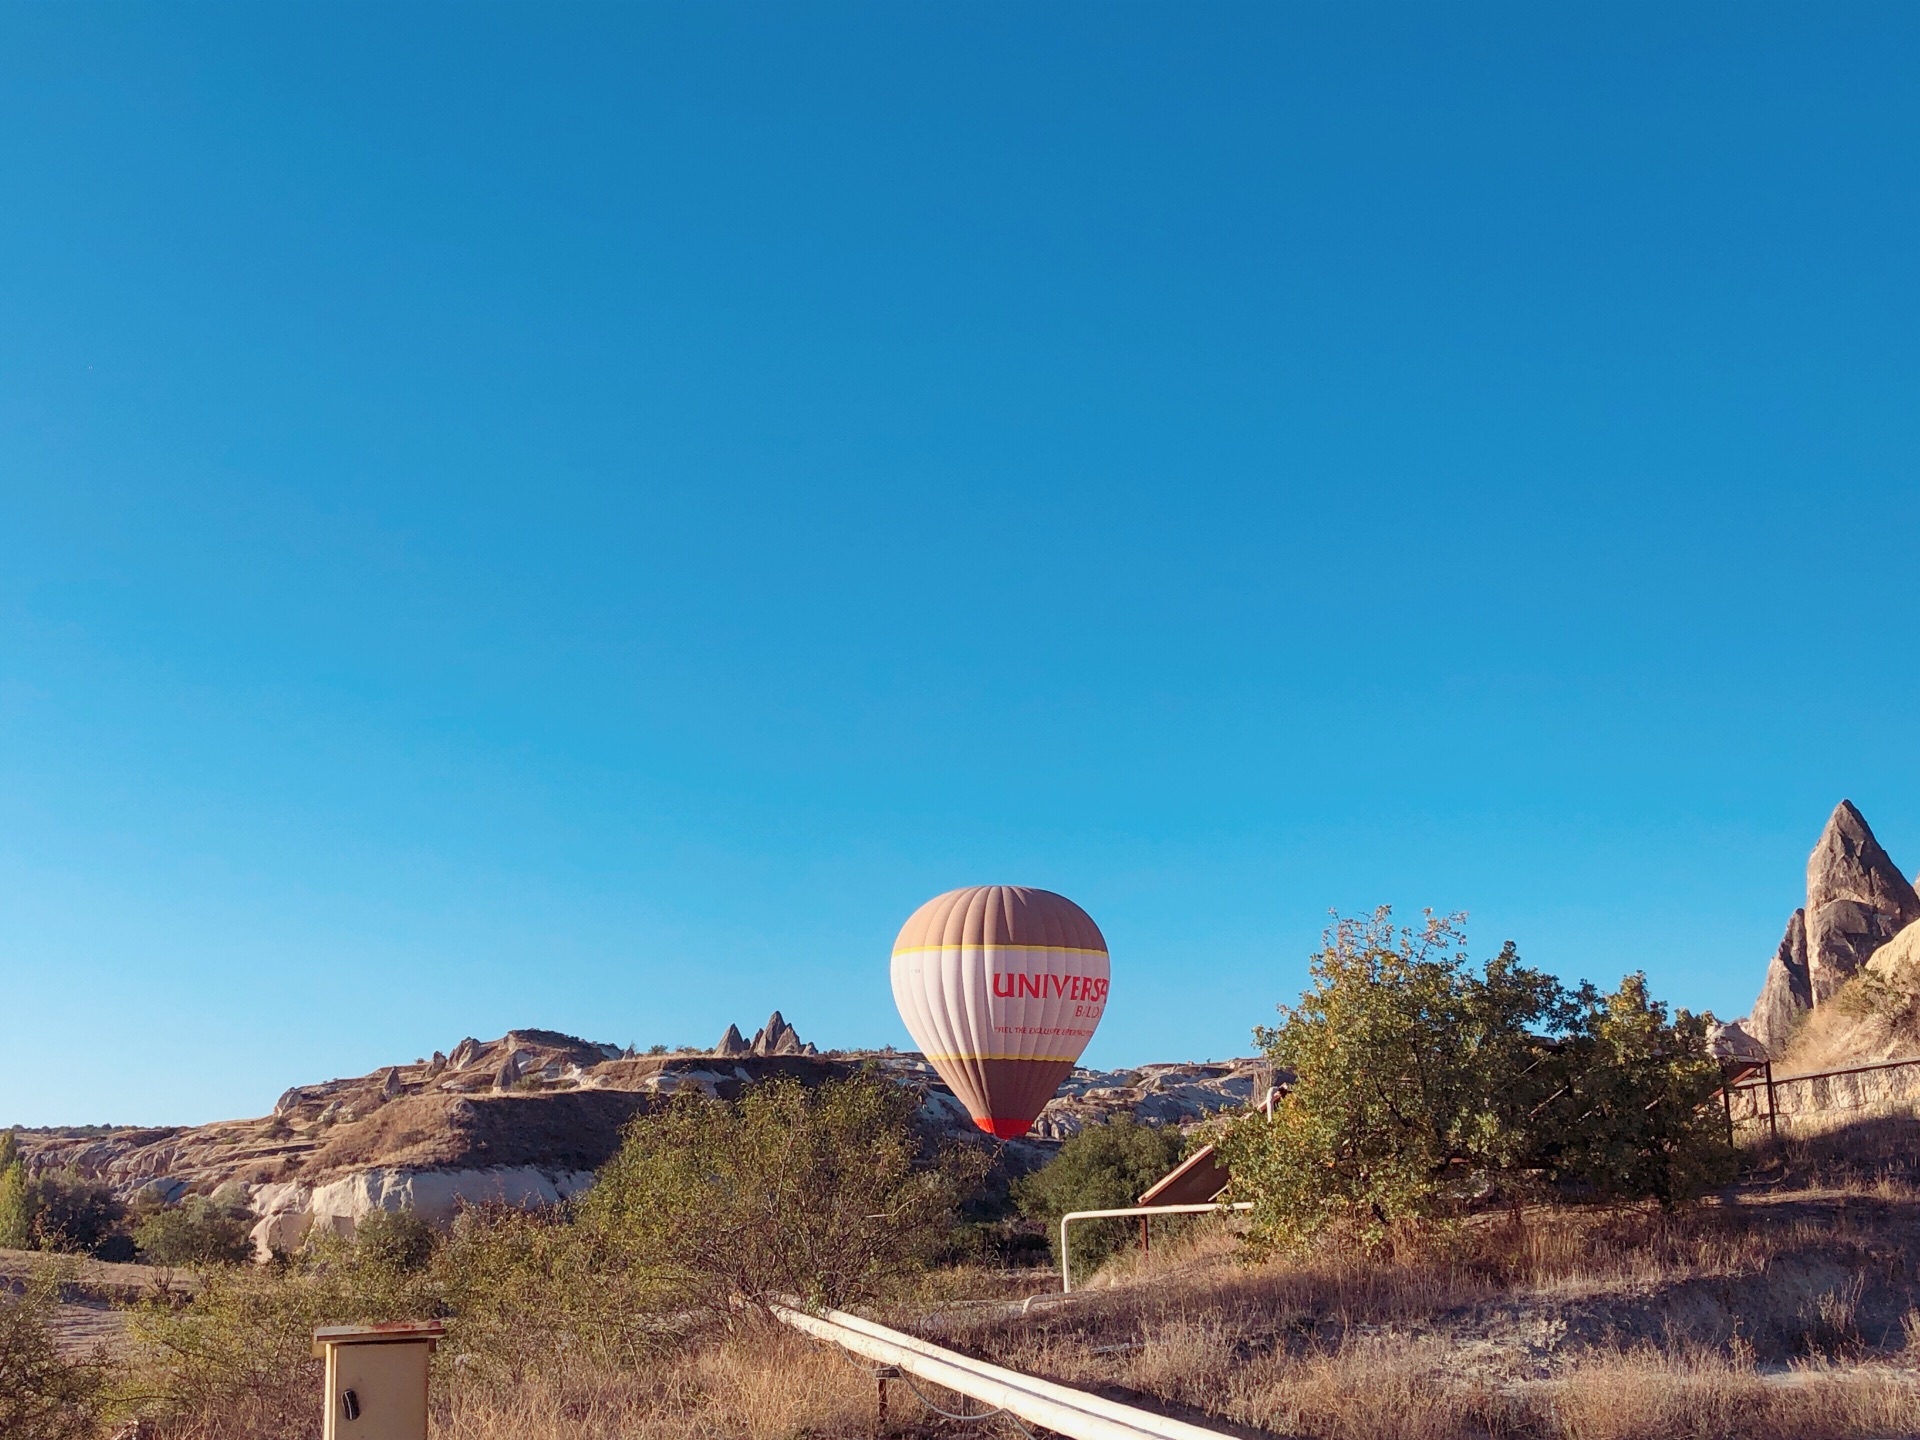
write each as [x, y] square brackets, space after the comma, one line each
[1791, 1314]
[758, 1383]
[1781, 1317]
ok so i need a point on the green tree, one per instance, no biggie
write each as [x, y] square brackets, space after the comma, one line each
[16, 1220]
[69, 1212]
[397, 1240]
[818, 1193]
[1634, 1119]
[1104, 1167]
[1420, 1081]
[200, 1230]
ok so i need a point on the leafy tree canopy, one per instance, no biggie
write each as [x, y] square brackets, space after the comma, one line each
[1421, 1080]
[1104, 1167]
[818, 1193]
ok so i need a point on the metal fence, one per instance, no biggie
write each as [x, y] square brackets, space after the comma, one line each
[1754, 1095]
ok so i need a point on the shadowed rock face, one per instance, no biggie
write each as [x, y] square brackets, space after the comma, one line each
[1787, 993]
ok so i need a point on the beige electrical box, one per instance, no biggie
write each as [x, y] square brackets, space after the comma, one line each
[377, 1379]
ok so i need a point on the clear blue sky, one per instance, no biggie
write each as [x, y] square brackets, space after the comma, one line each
[585, 517]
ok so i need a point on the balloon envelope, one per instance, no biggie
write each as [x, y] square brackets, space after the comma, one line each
[1001, 987]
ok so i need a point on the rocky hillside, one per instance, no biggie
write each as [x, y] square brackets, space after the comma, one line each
[527, 1118]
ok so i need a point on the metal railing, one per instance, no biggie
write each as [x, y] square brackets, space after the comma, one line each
[1757, 1076]
[1060, 1408]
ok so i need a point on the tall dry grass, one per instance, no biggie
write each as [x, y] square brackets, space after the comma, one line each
[1773, 1319]
[761, 1382]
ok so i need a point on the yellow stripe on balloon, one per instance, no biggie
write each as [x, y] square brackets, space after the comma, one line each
[1044, 949]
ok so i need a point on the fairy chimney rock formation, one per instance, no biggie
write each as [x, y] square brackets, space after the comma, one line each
[1857, 900]
[767, 1040]
[1787, 993]
[732, 1043]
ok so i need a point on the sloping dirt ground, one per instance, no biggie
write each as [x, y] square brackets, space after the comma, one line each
[91, 1292]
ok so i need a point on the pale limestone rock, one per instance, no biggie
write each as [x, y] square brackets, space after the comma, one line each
[290, 1214]
[1732, 1042]
[508, 1075]
[1898, 961]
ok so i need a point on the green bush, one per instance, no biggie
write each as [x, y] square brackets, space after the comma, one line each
[1423, 1083]
[397, 1240]
[815, 1193]
[200, 1230]
[1634, 1118]
[69, 1213]
[1104, 1167]
[523, 1287]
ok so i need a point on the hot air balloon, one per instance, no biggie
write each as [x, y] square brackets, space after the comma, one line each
[1001, 987]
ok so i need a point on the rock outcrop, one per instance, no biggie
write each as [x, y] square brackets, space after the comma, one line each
[1787, 993]
[1897, 963]
[776, 1037]
[1732, 1042]
[291, 1213]
[527, 1118]
[1857, 901]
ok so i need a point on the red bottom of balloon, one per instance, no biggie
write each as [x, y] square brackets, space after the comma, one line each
[1005, 1129]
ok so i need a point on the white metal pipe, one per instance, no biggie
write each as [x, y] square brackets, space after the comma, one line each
[1066, 1257]
[1066, 1394]
[1060, 1408]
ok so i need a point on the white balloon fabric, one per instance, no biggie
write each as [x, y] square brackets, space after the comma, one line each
[1001, 987]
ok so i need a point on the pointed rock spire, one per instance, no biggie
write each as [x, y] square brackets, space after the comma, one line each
[1848, 864]
[1857, 900]
[1787, 993]
[731, 1043]
[777, 1037]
